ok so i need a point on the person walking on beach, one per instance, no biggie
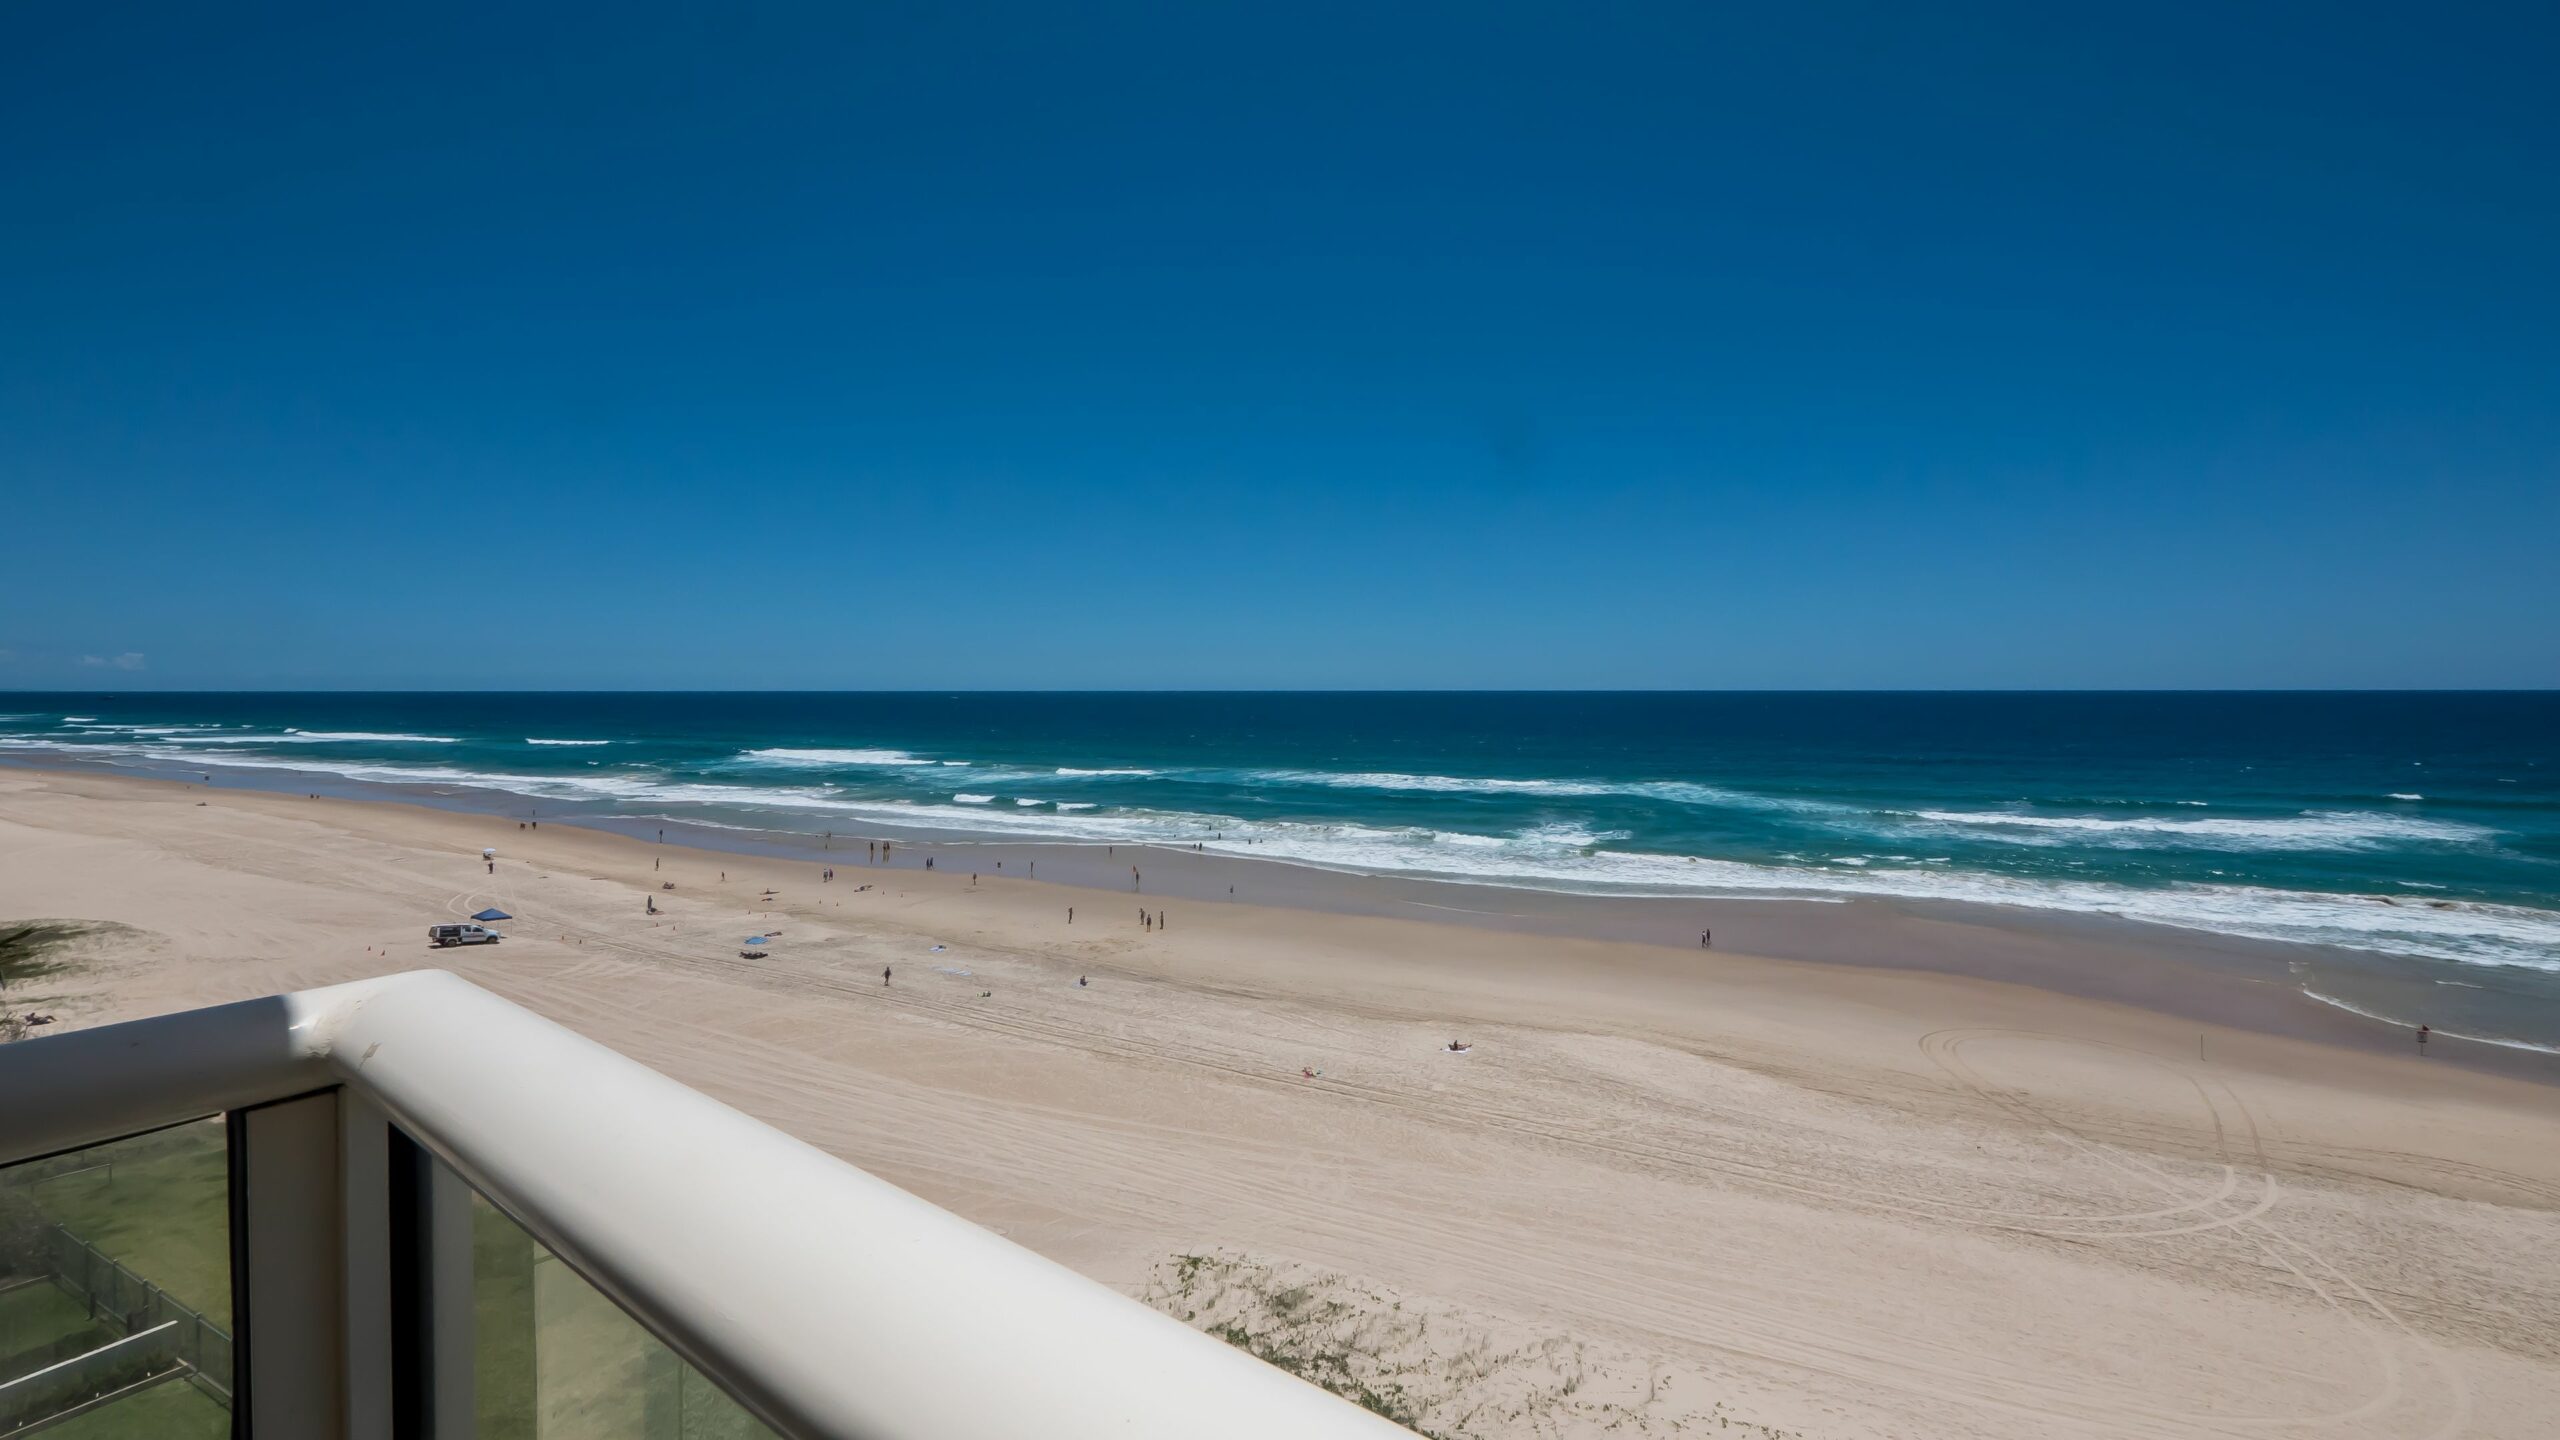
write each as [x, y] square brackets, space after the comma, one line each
[1706, 939]
[884, 974]
[1071, 914]
[2422, 1039]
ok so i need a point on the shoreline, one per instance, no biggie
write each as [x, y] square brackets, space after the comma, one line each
[2167, 971]
[1826, 1199]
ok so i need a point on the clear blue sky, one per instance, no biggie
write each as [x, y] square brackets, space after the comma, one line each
[1300, 345]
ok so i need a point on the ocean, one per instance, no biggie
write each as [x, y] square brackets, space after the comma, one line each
[2419, 827]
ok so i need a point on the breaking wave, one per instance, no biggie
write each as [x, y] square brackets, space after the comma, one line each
[822, 758]
[2310, 830]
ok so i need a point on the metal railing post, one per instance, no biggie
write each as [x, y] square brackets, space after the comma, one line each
[293, 1309]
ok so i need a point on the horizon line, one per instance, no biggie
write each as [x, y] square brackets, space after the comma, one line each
[1330, 690]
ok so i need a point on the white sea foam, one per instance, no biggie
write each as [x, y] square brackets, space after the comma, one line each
[78, 719]
[530, 740]
[975, 799]
[2309, 830]
[1678, 792]
[1565, 835]
[320, 737]
[833, 757]
[1019, 801]
[1108, 770]
[2404, 795]
[1075, 805]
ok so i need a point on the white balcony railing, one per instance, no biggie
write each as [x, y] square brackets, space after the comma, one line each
[823, 1301]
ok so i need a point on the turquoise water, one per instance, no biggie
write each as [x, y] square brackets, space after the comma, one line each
[2421, 826]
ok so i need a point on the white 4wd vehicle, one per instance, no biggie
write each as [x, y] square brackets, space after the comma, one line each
[443, 935]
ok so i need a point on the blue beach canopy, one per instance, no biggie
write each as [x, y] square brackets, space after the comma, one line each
[493, 913]
[758, 940]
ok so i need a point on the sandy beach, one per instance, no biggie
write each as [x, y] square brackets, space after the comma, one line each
[1829, 1190]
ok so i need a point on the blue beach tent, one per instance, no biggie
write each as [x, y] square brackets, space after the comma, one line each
[493, 913]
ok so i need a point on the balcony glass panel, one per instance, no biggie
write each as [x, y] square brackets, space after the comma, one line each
[115, 1289]
[553, 1359]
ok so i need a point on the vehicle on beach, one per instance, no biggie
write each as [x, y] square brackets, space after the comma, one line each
[444, 935]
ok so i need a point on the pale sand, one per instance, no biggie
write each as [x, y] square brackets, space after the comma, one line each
[1836, 1200]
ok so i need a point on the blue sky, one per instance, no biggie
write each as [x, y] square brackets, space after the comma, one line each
[1688, 346]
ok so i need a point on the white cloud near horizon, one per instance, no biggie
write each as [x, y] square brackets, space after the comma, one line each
[129, 660]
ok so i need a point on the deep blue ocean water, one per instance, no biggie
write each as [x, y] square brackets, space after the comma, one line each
[2424, 825]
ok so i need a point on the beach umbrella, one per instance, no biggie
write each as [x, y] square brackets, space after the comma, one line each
[493, 913]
